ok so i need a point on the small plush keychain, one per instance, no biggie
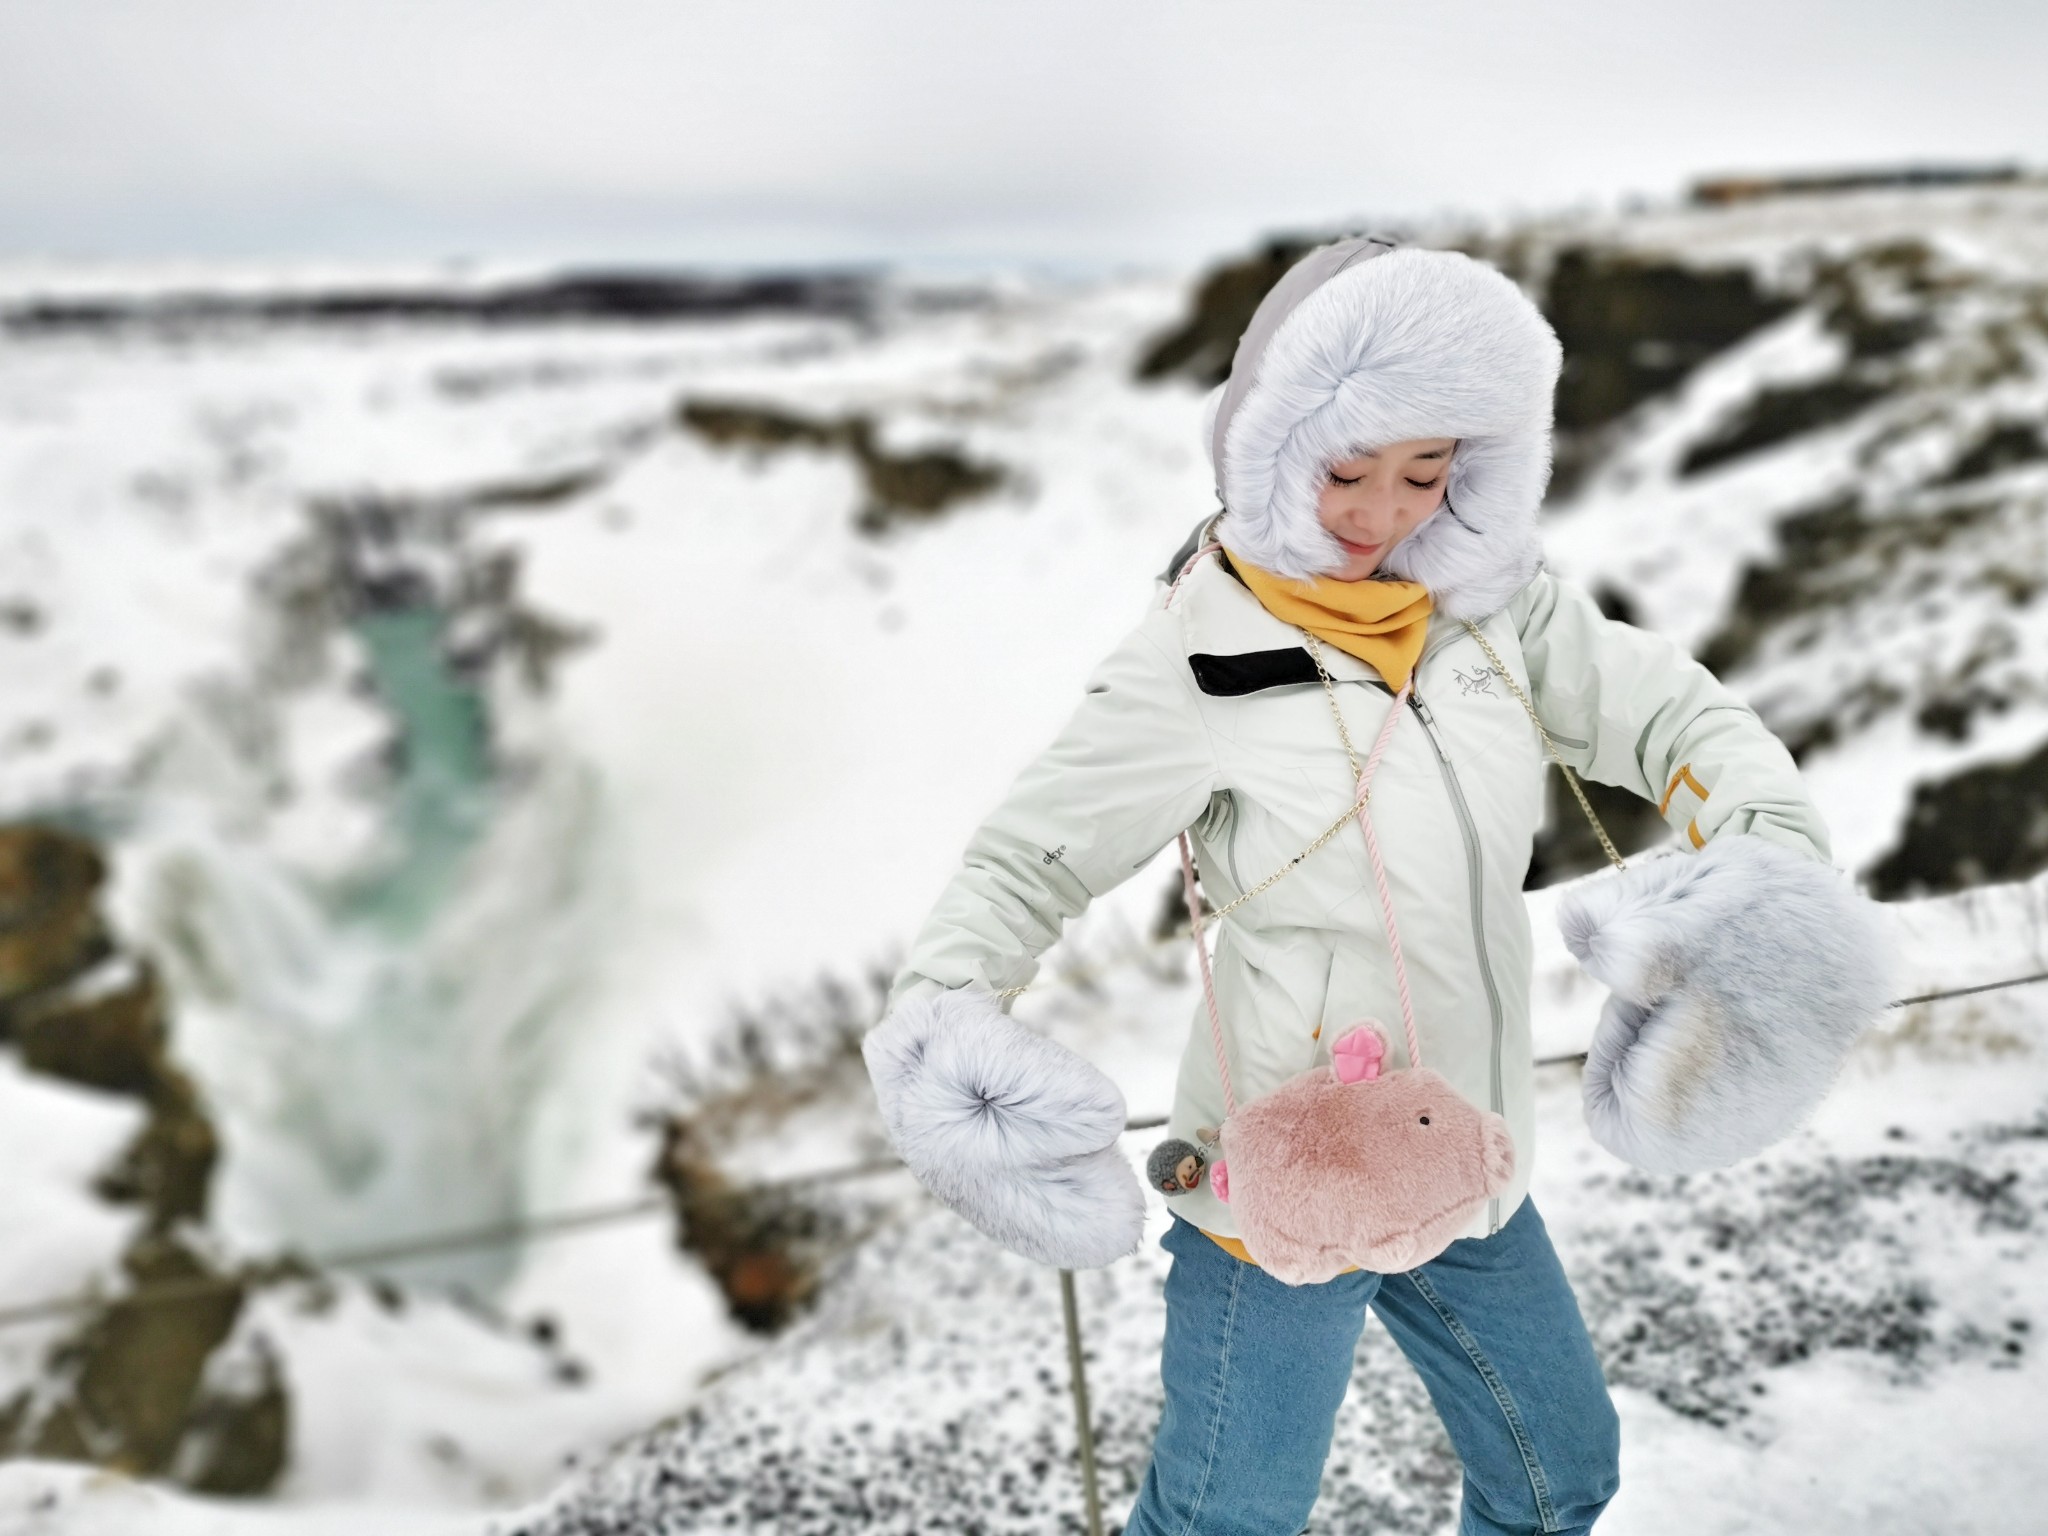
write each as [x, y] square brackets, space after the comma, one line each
[1176, 1166]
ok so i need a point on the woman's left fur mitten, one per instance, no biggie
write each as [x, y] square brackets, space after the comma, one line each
[1013, 1131]
[1740, 977]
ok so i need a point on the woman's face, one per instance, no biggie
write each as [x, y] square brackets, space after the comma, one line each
[1373, 501]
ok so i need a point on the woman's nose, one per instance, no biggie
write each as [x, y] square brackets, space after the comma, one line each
[1366, 520]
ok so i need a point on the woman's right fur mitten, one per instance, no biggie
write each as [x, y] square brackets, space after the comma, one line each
[1015, 1132]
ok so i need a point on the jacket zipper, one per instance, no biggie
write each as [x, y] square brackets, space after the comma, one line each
[1474, 874]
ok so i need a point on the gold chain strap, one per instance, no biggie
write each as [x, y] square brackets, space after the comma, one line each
[1326, 834]
[1351, 753]
[1330, 692]
[1569, 777]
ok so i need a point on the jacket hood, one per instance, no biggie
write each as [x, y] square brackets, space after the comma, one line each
[1362, 343]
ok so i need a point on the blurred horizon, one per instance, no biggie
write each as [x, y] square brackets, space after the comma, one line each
[310, 272]
[1068, 138]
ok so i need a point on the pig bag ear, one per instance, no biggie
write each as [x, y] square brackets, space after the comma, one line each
[1015, 1132]
[1740, 977]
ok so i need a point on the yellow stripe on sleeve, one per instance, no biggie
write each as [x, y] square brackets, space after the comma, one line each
[1683, 776]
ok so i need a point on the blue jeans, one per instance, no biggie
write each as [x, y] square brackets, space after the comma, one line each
[1255, 1370]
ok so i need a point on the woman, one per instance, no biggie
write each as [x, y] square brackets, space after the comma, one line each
[1381, 447]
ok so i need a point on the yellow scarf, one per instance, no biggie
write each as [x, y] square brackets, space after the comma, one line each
[1382, 623]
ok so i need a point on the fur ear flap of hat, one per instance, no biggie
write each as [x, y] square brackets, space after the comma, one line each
[1363, 343]
[1015, 1132]
[1740, 978]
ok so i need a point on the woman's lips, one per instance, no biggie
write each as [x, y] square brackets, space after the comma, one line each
[1358, 549]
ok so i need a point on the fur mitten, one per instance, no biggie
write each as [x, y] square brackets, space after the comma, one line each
[1740, 975]
[1013, 1131]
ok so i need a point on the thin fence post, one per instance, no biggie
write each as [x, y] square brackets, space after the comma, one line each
[1084, 1429]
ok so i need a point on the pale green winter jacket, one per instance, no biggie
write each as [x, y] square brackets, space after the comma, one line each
[1209, 716]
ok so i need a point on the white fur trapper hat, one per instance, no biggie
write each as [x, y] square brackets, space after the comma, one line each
[1365, 342]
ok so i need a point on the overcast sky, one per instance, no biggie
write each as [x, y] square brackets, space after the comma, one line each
[941, 130]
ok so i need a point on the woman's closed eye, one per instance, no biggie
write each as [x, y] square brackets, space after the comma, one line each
[1420, 485]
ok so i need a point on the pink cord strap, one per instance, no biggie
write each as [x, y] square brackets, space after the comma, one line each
[1187, 880]
[1379, 871]
[1207, 549]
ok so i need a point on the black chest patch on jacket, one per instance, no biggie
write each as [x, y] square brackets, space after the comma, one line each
[1249, 671]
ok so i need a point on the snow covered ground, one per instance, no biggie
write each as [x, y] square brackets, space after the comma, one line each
[756, 771]
[1813, 1341]
[1839, 1336]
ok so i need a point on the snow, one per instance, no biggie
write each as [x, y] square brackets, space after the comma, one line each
[758, 774]
[55, 1499]
[1759, 1326]
[56, 1236]
[2002, 228]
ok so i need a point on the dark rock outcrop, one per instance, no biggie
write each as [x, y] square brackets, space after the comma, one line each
[757, 1246]
[1777, 414]
[1986, 823]
[1200, 347]
[900, 486]
[107, 1030]
[2007, 445]
[768, 1245]
[635, 297]
[50, 925]
[1634, 326]
[1841, 552]
[137, 1386]
[1717, 191]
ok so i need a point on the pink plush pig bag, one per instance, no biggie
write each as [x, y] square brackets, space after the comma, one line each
[1349, 1164]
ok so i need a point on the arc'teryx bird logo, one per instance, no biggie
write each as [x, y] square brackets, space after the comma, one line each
[1481, 681]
